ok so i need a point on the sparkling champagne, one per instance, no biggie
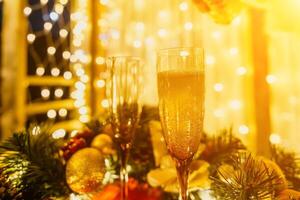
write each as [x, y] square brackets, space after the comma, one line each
[181, 99]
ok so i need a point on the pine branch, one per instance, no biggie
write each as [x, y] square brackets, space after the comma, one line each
[289, 163]
[246, 178]
[219, 148]
[30, 163]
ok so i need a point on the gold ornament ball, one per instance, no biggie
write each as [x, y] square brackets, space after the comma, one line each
[103, 143]
[85, 170]
[271, 165]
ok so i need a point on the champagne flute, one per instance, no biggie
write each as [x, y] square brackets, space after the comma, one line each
[123, 96]
[180, 81]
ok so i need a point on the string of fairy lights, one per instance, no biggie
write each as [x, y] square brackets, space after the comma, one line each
[142, 38]
[50, 19]
[61, 59]
[136, 35]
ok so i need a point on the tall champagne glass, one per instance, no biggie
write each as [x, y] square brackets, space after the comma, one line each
[123, 96]
[180, 76]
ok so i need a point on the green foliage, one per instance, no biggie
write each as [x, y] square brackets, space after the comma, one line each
[219, 148]
[289, 163]
[30, 163]
[246, 178]
[141, 155]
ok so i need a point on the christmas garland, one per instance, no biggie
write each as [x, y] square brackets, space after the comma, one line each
[33, 165]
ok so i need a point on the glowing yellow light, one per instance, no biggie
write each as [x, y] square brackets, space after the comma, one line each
[44, 2]
[55, 71]
[233, 51]
[115, 34]
[67, 75]
[60, 133]
[184, 53]
[79, 95]
[100, 60]
[30, 37]
[63, 2]
[150, 41]
[36, 130]
[218, 87]
[74, 133]
[73, 58]
[183, 6]
[219, 113]
[58, 93]
[40, 71]
[163, 15]
[77, 66]
[188, 26]
[80, 72]
[216, 35]
[100, 83]
[275, 138]
[51, 50]
[241, 71]
[63, 33]
[139, 26]
[84, 118]
[162, 32]
[85, 78]
[78, 103]
[59, 8]
[27, 11]
[105, 103]
[235, 104]
[237, 21]
[76, 42]
[54, 16]
[293, 100]
[243, 129]
[104, 2]
[45, 93]
[137, 44]
[271, 78]
[83, 110]
[51, 114]
[210, 60]
[62, 112]
[79, 85]
[66, 55]
[48, 26]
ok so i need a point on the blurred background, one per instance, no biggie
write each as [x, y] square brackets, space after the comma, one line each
[53, 61]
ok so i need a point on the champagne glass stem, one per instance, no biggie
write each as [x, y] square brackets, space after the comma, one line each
[182, 167]
[124, 174]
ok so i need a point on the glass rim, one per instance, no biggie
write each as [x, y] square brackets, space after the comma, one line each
[174, 50]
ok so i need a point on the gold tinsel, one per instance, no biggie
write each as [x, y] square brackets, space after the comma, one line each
[85, 170]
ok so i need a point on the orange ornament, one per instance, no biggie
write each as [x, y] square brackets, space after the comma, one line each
[136, 191]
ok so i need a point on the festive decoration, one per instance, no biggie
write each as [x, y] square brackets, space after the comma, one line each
[289, 195]
[289, 163]
[166, 176]
[85, 170]
[103, 143]
[81, 140]
[248, 178]
[136, 191]
[31, 167]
